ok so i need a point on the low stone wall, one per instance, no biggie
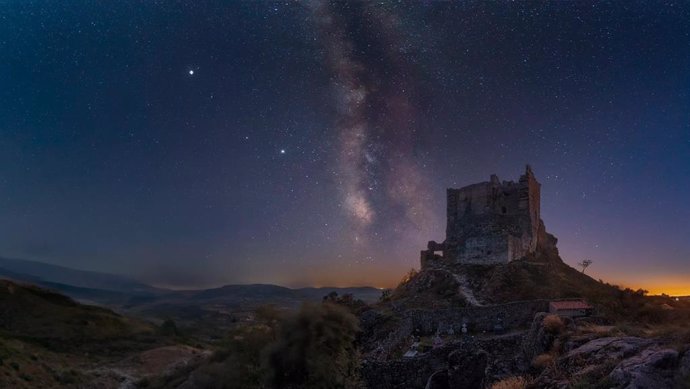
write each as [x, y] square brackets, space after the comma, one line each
[513, 315]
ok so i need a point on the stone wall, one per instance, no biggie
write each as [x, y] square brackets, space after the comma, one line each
[514, 315]
[491, 222]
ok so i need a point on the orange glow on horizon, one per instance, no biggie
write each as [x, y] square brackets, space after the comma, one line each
[671, 290]
[670, 285]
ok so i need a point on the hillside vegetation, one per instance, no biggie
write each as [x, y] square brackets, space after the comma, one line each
[49, 340]
[53, 320]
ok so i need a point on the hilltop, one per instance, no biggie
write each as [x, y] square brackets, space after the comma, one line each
[476, 314]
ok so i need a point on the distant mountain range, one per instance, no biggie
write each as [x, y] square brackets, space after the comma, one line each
[34, 271]
[123, 293]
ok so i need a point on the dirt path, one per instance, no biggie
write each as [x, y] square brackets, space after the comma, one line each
[466, 291]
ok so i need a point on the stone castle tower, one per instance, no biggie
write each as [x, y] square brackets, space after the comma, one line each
[490, 222]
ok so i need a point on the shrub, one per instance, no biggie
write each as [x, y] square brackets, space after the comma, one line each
[168, 328]
[315, 349]
[408, 276]
[553, 324]
[511, 383]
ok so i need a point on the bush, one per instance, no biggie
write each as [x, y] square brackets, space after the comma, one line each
[315, 349]
[553, 324]
[168, 328]
[512, 383]
[408, 276]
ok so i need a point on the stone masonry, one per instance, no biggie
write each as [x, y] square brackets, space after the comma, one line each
[490, 222]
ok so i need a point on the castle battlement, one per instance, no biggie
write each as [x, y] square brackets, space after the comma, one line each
[490, 222]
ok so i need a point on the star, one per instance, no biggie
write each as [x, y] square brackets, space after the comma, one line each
[282, 151]
[191, 72]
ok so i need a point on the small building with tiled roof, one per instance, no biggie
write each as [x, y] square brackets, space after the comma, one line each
[570, 308]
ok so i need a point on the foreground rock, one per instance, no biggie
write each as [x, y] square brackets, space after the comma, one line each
[620, 362]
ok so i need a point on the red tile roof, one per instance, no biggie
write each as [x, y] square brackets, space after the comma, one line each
[570, 304]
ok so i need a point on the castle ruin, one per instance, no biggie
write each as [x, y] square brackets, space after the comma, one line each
[491, 222]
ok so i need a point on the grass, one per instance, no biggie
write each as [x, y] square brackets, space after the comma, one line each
[518, 382]
[543, 361]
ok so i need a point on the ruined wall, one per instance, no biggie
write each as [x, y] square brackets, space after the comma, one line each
[513, 315]
[415, 372]
[492, 222]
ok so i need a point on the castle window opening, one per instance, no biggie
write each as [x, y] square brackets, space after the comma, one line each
[504, 210]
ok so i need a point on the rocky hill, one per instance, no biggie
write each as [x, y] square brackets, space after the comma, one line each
[477, 314]
[541, 275]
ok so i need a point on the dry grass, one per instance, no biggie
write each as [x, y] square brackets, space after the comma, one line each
[543, 361]
[553, 324]
[602, 330]
[512, 383]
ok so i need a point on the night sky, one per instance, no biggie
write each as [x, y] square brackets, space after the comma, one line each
[193, 144]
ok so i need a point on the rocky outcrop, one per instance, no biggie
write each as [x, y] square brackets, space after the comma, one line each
[604, 350]
[650, 368]
[620, 362]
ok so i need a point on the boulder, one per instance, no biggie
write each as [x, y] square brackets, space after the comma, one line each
[604, 350]
[651, 368]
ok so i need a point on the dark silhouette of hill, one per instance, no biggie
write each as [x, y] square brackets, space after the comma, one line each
[42, 316]
[130, 296]
[39, 272]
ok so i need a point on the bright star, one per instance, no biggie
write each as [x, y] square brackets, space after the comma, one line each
[191, 72]
[282, 151]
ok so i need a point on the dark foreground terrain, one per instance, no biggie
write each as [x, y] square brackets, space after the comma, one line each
[412, 337]
[446, 326]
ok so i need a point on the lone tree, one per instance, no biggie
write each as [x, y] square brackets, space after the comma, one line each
[585, 264]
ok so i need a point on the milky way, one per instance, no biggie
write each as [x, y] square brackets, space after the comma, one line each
[314, 141]
[380, 181]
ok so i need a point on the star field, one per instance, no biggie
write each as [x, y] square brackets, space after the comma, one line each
[194, 144]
